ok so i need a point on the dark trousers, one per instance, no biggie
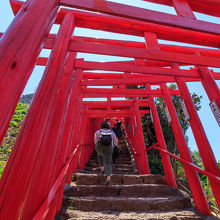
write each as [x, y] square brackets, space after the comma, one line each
[104, 153]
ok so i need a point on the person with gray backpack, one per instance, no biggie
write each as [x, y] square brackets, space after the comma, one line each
[105, 139]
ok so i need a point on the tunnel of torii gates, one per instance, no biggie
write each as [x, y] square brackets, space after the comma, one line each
[56, 136]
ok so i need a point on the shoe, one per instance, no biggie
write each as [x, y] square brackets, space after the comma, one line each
[108, 182]
[102, 172]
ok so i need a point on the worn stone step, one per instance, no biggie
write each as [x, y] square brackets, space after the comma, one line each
[117, 169]
[120, 157]
[134, 190]
[117, 163]
[118, 160]
[113, 172]
[127, 204]
[94, 179]
[189, 214]
[113, 165]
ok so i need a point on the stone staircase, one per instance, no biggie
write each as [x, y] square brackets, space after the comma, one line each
[129, 196]
[125, 164]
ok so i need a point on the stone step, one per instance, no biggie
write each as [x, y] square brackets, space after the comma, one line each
[117, 163]
[118, 160]
[113, 165]
[114, 169]
[189, 214]
[94, 179]
[127, 203]
[134, 190]
[126, 156]
[113, 172]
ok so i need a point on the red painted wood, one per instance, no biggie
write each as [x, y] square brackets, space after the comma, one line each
[85, 116]
[118, 103]
[19, 48]
[44, 207]
[89, 47]
[28, 152]
[112, 115]
[210, 85]
[133, 81]
[88, 65]
[183, 9]
[168, 171]
[59, 161]
[203, 144]
[135, 142]
[211, 7]
[68, 130]
[106, 79]
[143, 155]
[163, 47]
[151, 41]
[83, 129]
[124, 92]
[192, 176]
[190, 165]
[77, 114]
[145, 15]
[113, 112]
[131, 27]
[137, 28]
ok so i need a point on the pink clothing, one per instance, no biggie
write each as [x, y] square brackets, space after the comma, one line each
[98, 133]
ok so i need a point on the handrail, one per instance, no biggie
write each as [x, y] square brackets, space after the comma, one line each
[187, 163]
[154, 145]
[43, 210]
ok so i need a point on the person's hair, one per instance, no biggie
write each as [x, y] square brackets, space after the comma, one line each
[105, 124]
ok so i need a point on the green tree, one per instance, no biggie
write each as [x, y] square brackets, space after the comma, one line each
[167, 130]
[149, 132]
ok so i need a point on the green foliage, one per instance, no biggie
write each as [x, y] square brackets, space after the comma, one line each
[205, 181]
[150, 135]
[181, 177]
[156, 166]
[13, 124]
[70, 207]
[167, 130]
[11, 135]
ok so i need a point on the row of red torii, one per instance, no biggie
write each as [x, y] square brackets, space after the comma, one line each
[59, 127]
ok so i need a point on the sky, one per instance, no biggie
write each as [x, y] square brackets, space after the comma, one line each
[208, 121]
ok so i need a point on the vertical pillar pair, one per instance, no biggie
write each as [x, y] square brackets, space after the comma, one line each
[82, 134]
[29, 157]
[130, 136]
[192, 176]
[170, 178]
[68, 134]
[75, 138]
[142, 160]
[204, 147]
[87, 142]
[19, 48]
[65, 140]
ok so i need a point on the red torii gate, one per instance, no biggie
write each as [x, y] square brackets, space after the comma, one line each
[49, 142]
